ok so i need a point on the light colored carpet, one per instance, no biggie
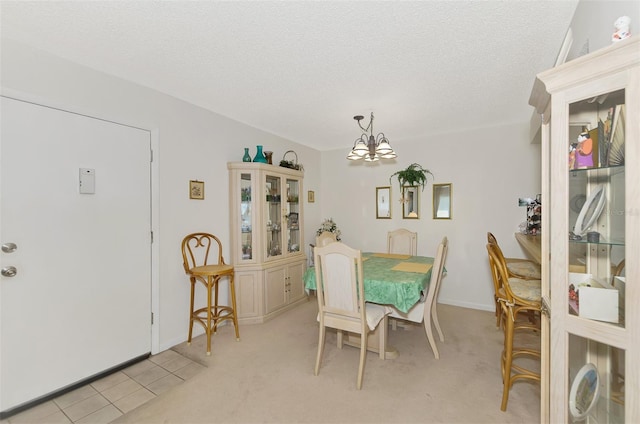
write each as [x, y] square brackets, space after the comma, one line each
[268, 377]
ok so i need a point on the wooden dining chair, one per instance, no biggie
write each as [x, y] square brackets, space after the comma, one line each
[341, 304]
[519, 267]
[402, 241]
[425, 311]
[515, 296]
[325, 238]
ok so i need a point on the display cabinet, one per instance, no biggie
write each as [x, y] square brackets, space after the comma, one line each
[266, 226]
[591, 239]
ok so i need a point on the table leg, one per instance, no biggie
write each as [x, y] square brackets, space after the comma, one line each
[376, 341]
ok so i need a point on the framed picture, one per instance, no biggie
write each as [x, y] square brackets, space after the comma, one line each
[383, 202]
[196, 189]
[311, 196]
[410, 201]
[293, 219]
[442, 207]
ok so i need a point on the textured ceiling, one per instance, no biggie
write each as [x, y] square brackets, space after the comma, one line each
[302, 70]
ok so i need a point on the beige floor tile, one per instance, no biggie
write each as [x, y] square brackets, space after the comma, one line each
[150, 375]
[176, 364]
[75, 396]
[85, 407]
[139, 368]
[166, 356]
[57, 417]
[189, 371]
[134, 400]
[121, 390]
[164, 384]
[102, 416]
[35, 414]
[109, 381]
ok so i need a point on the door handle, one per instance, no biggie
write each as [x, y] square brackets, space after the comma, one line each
[9, 247]
[9, 271]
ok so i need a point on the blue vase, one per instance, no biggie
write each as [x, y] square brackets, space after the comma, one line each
[259, 157]
[247, 156]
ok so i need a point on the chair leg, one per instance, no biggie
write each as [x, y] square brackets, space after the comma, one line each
[209, 314]
[340, 336]
[436, 323]
[394, 324]
[215, 304]
[193, 290]
[507, 360]
[429, 331]
[363, 357]
[232, 287]
[320, 349]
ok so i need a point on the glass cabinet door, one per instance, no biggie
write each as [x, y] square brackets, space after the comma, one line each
[246, 216]
[293, 215]
[273, 216]
[596, 292]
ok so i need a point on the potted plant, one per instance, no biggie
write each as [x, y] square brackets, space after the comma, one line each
[413, 175]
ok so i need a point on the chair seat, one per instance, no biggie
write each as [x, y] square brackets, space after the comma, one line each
[212, 270]
[524, 268]
[529, 290]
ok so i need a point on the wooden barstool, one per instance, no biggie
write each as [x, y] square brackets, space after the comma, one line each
[196, 251]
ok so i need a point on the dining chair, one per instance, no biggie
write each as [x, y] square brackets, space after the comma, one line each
[516, 268]
[425, 311]
[402, 241]
[341, 304]
[515, 296]
[203, 262]
[325, 238]
[519, 267]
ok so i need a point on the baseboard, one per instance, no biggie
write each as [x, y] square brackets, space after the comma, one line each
[468, 305]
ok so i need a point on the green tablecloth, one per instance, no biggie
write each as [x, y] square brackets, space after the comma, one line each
[384, 285]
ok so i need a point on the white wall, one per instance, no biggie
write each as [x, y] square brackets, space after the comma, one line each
[489, 168]
[592, 24]
[190, 143]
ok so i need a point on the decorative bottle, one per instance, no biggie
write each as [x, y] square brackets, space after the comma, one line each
[259, 157]
[247, 156]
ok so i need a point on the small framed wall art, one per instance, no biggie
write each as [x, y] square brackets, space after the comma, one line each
[311, 196]
[196, 189]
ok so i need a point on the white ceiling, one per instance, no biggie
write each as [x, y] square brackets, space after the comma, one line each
[303, 69]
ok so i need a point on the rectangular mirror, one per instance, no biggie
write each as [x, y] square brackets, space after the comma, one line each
[442, 194]
[383, 202]
[410, 202]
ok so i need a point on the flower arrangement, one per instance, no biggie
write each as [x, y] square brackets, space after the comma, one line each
[330, 226]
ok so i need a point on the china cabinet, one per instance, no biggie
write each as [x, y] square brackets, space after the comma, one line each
[266, 227]
[590, 111]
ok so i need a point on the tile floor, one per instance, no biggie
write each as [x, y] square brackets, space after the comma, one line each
[106, 399]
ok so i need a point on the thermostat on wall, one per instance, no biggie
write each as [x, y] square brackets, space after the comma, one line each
[87, 181]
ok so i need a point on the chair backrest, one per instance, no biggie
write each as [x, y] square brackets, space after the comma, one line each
[340, 288]
[496, 261]
[402, 241]
[325, 238]
[491, 238]
[436, 274]
[200, 249]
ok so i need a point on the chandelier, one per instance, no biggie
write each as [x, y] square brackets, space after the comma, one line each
[368, 147]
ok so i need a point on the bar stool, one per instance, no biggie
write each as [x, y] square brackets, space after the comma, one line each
[197, 253]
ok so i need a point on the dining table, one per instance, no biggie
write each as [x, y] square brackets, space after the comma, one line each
[394, 280]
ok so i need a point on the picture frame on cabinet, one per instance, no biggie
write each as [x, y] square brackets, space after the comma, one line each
[196, 190]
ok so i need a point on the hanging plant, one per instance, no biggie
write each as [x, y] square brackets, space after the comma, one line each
[413, 175]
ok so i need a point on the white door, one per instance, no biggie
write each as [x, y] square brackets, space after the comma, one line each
[80, 301]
